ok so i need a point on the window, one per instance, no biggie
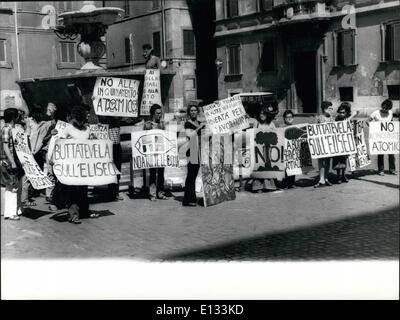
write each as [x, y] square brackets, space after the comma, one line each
[126, 8]
[392, 42]
[188, 43]
[156, 4]
[232, 8]
[233, 57]
[346, 94]
[267, 60]
[394, 92]
[64, 6]
[345, 49]
[3, 57]
[265, 5]
[68, 52]
[157, 43]
[128, 51]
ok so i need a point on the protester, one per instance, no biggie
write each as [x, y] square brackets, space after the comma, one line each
[151, 61]
[265, 121]
[156, 182]
[114, 131]
[76, 196]
[384, 114]
[324, 163]
[289, 181]
[193, 131]
[11, 169]
[339, 163]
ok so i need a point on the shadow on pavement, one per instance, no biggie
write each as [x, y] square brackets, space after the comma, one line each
[64, 216]
[373, 236]
[34, 213]
[385, 184]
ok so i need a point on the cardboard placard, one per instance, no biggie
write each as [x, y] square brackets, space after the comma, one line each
[60, 127]
[226, 116]
[151, 91]
[384, 137]
[84, 162]
[32, 170]
[99, 131]
[330, 139]
[361, 158]
[216, 169]
[297, 155]
[154, 149]
[116, 97]
[268, 154]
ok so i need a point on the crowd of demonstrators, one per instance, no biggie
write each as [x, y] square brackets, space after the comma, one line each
[40, 128]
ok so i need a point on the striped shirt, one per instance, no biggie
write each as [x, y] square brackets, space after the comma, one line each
[115, 135]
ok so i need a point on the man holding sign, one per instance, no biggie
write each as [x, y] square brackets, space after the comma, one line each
[384, 114]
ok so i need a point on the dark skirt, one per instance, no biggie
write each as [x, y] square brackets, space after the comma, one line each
[339, 162]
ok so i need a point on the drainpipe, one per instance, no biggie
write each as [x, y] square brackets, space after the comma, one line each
[16, 40]
[163, 29]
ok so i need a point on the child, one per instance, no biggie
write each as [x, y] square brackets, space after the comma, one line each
[339, 163]
[324, 163]
[384, 114]
[11, 169]
[289, 181]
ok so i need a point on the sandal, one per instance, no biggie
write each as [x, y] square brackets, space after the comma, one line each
[15, 217]
[75, 220]
[94, 215]
[319, 185]
[29, 204]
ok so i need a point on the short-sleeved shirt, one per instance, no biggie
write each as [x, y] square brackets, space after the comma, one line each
[6, 138]
[377, 116]
[149, 125]
[190, 125]
[71, 132]
[153, 63]
[322, 118]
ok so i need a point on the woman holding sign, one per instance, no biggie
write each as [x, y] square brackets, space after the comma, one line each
[76, 196]
[193, 130]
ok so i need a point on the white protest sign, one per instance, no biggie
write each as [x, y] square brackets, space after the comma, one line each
[60, 127]
[99, 131]
[116, 97]
[361, 158]
[331, 139]
[297, 155]
[384, 137]
[151, 91]
[33, 172]
[226, 115]
[84, 162]
[154, 149]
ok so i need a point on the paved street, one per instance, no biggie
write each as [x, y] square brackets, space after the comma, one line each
[358, 220]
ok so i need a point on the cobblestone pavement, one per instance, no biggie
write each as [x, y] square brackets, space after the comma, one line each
[357, 220]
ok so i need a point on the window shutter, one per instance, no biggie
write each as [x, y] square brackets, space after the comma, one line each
[127, 51]
[64, 52]
[71, 53]
[396, 41]
[266, 5]
[233, 8]
[2, 50]
[348, 48]
[157, 43]
[188, 43]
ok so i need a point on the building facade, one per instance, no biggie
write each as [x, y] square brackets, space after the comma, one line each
[309, 51]
[29, 48]
[168, 26]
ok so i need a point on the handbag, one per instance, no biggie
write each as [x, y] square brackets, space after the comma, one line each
[8, 175]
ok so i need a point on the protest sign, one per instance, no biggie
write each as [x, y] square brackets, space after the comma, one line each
[151, 91]
[99, 131]
[296, 152]
[361, 158]
[330, 139]
[116, 97]
[60, 127]
[217, 169]
[226, 115]
[268, 154]
[154, 149]
[384, 137]
[33, 172]
[242, 154]
[84, 162]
